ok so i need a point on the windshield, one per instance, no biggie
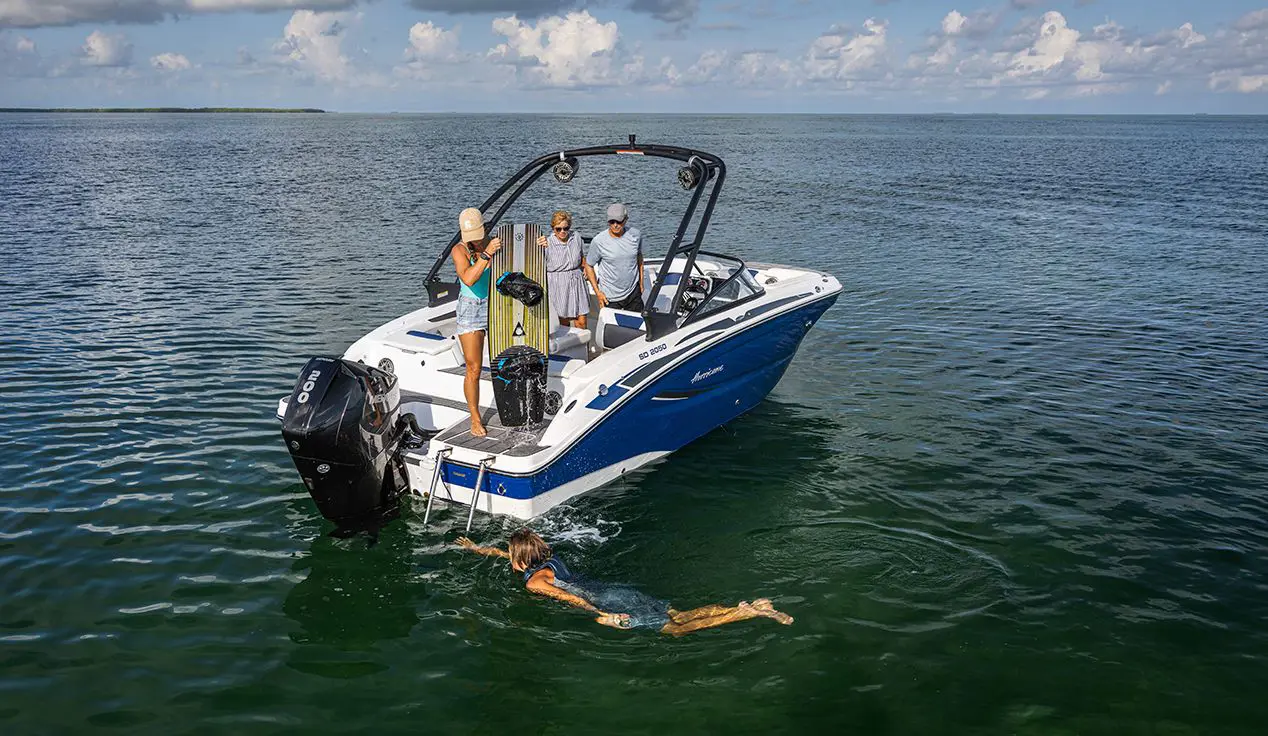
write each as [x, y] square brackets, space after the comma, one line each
[731, 283]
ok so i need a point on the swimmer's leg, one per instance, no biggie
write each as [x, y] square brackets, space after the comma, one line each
[765, 608]
[682, 617]
[761, 607]
[727, 615]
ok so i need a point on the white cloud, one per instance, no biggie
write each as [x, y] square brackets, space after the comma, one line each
[954, 23]
[574, 50]
[942, 49]
[1055, 43]
[430, 47]
[107, 50]
[1071, 63]
[836, 55]
[312, 44]
[738, 68]
[1163, 88]
[705, 69]
[428, 41]
[1256, 20]
[761, 68]
[34, 13]
[1235, 82]
[1184, 37]
[1238, 59]
[170, 62]
[1245, 83]
[24, 45]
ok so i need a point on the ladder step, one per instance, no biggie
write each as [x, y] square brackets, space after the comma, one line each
[475, 492]
[441, 455]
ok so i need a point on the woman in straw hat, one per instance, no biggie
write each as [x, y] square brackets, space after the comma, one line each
[472, 258]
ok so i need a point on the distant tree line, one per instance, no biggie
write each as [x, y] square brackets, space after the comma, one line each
[162, 109]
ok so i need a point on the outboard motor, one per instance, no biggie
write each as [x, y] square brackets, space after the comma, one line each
[344, 431]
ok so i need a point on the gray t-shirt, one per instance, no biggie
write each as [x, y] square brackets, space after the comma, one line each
[615, 262]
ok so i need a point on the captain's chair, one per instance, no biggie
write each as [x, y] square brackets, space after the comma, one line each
[617, 327]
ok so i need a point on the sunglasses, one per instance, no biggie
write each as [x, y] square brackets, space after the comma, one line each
[562, 229]
[616, 222]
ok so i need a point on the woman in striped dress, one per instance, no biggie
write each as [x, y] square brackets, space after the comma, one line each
[564, 278]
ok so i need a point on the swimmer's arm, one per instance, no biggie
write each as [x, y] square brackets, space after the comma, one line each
[471, 546]
[543, 583]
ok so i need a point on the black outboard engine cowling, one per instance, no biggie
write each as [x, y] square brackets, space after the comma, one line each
[343, 429]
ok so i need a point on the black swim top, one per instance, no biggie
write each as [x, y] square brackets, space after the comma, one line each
[556, 565]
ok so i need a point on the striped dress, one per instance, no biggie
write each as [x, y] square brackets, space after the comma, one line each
[567, 284]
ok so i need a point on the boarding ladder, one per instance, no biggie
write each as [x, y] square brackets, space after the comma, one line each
[441, 456]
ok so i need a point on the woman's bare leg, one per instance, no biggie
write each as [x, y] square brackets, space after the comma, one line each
[682, 617]
[761, 607]
[765, 608]
[473, 354]
[579, 322]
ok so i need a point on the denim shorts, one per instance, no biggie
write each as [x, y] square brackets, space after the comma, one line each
[473, 314]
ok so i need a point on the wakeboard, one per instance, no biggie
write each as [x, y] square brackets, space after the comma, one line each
[510, 322]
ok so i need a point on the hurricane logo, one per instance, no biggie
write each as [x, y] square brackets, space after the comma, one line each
[706, 374]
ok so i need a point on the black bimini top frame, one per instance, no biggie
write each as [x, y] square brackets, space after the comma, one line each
[708, 171]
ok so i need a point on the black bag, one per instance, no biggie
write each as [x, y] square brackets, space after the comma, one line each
[521, 288]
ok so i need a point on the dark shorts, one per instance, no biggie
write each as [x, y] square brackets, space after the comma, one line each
[631, 303]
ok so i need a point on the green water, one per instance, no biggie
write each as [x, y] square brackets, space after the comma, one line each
[1012, 484]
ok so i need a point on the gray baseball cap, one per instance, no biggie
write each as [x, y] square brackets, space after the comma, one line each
[618, 211]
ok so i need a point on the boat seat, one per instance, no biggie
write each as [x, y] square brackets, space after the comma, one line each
[666, 293]
[429, 341]
[569, 341]
[617, 327]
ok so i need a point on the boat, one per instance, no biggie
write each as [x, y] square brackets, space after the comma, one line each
[389, 418]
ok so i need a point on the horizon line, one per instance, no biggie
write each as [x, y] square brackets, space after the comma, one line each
[255, 109]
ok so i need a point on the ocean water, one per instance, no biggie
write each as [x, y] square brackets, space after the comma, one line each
[1015, 481]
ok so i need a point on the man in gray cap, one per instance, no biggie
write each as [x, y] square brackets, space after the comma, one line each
[616, 254]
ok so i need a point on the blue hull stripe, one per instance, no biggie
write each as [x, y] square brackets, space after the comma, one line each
[603, 401]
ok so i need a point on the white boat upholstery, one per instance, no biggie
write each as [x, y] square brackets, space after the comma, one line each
[569, 349]
[562, 368]
[617, 327]
[569, 341]
[422, 340]
[666, 294]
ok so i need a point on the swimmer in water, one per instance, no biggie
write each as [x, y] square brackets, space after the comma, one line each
[546, 574]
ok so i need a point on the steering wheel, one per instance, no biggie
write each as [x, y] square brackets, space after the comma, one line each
[696, 291]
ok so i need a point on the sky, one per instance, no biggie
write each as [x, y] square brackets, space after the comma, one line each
[588, 56]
